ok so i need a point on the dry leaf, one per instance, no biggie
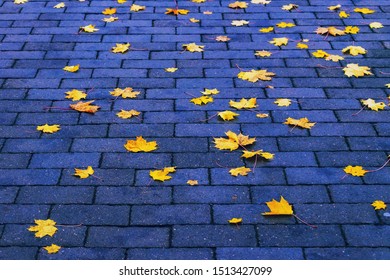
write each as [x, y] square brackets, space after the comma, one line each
[263, 53]
[176, 11]
[302, 122]
[320, 54]
[194, 20]
[110, 19]
[52, 249]
[43, 228]
[363, 11]
[192, 47]
[72, 69]
[239, 22]
[121, 1]
[250, 154]
[202, 100]
[136, 8]
[244, 103]
[228, 115]
[85, 107]
[49, 128]
[379, 204]
[207, 13]
[255, 75]
[290, 7]
[334, 8]
[351, 29]
[329, 31]
[370, 103]
[233, 141]
[222, 38]
[262, 115]
[243, 171]
[88, 28]
[198, 1]
[120, 48]
[109, 11]
[208, 91]
[238, 5]
[283, 102]
[235, 221]
[354, 50]
[355, 170]
[353, 69]
[279, 208]
[59, 5]
[123, 114]
[266, 29]
[343, 14]
[302, 46]
[75, 95]
[192, 182]
[20, 1]
[279, 41]
[140, 145]
[125, 93]
[285, 24]
[334, 57]
[264, 2]
[171, 69]
[376, 24]
[84, 173]
[162, 175]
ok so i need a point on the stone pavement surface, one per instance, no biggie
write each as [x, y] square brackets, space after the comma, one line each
[125, 215]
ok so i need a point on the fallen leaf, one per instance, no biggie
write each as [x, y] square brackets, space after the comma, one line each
[84, 173]
[88, 28]
[75, 95]
[72, 69]
[266, 29]
[375, 106]
[109, 11]
[194, 20]
[285, 24]
[379, 204]
[192, 47]
[243, 171]
[355, 170]
[334, 8]
[267, 155]
[49, 128]
[351, 29]
[176, 11]
[238, 5]
[125, 93]
[202, 100]
[137, 8]
[207, 13]
[59, 5]
[302, 46]
[235, 221]
[353, 69]
[222, 38]
[334, 57]
[281, 207]
[52, 249]
[263, 53]
[255, 75]
[264, 2]
[290, 7]
[198, 1]
[233, 142]
[302, 122]
[262, 115]
[343, 14]
[123, 114]
[208, 91]
[162, 175]
[110, 19]
[364, 11]
[243, 103]
[20, 1]
[376, 24]
[43, 228]
[279, 41]
[121, 1]
[140, 145]
[283, 102]
[354, 50]
[387, 85]
[320, 54]
[239, 22]
[250, 154]
[120, 48]
[171, 69]
[85, 107]
[228, 115]
[192, 182]
[329, 31]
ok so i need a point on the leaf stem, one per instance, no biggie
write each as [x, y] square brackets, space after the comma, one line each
[57, 108]
[302, 221]
[213, 116]
[355, 114]
[380, 168]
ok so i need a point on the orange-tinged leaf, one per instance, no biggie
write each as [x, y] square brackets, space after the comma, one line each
[302, 46]
[262, 115]
[176, 12]
[375, 106]
[243, 171]
[376, 24]
[285, 24]
[120, 48]
[123, 114]
[235, 221]
[266, 29]
[140, 145]
[162, 174]
[43, 228]
[121, 1]
[354, 50]
[353, 69]
[279, 41]
[192, 182]
[290, 7]
[302, 122]
[255, 75]
[198, 1]
[85, 107]
[263, 53]
[379, 204]
[238, 5]
[137, 8]
[239, 22]
[125, 93]
[351, 29]
[49, 128]
[110, 19]
[109, 11]
[343, 14]
[208, 91]
[228, 115]
[84, 173]
[281, 207]
[244, 103]
[283, 102]
[75, 95]
[357, 170]
[171, 69]
[331, 30]
[52, 249]
[89, 28]
[72, 68]
[364, 11]
[222, 38]
[192, 47]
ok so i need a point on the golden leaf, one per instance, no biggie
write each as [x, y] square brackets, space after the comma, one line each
[110, 19]
[207, 13]
[136, 8]
[320, 54]
[263, 53]
[244, 103]
[243, 171]
[84, 173]
[283, 102]
[264, 2]
[329, 31]
[171, 69]
[140, 145]
[262, 115]
[43, 228]
[176, 11]
[123, 114]
[109, 11]
[120, 48]
[343, 14]
[202, 100]
[85, 107]
[376, 24]
[379, 204]
[52, 249]
[233, 141]
[49, 128]
[334, 8]
[267, 155]
[249, 154]
[354, 50]
[20, 1]
[279, 41]
[194, 20]
[208, 91]
[121, 1]
[285, 24]
[351, 29]
[227, 115]
[290, 7]
[355, 170]
[75, 95]
[59, 5]
[353, 69]
[370, 103]
[198, 1]
[192, 47]
[302, 46]
[364, 11]
[192, 182]
[72, 68]
[334, 57]
[125, 93]
[88, 28]
[238, 5]
[239, 22]
[266, 29]
[279, 208]
[255, 75]
[302, 122]
[222, 38]
[162, 175]
[235, 221]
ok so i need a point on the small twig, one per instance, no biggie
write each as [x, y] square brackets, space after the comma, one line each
[189, 94]
[57, 108]
[217, 163]
[101, 179]
[213, 116]
[291, 130]
[384, 73]
[306, 223]
[239, 68]
[355, 114]
[150, 182]
[329, 67]
[79, 225]
[380, 168]
[92, 89]
[345, 176]
[254, 165]
[134, 49]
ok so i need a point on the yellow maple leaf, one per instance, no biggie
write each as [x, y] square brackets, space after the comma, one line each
[279, 41]
[266, 29]
[354, 50]
[43, 228]
[290, 7]
[243, 171]
[110, 19]
[109, 11]
[222, 38]
[192, 47]
[171, 69]
[123, 114]
[355, 170]
[379, 204]
[244, 103]
[331, 30]
[351, 29]
[343, 14]
[235, 221]
[281, 207]
[364, 11]
[255, 75]
[59, 5]
[334, 57]
[250, 154]
[353, 69]
[125, 93]
[136, 8]
[267, 155]
[121, 1]
[194, 20]
[20, 1]
[228, 115]
[239, 22]
[388, 86]
[207, 12]
[263, 53]
[49, 128]
[233, 141]
[202, 100]
[75, 95]
[320, 54]
[285, 24]
[283, 102]
[264, 2]
[176, 11]
[85, 107]
[88, 28]
[238, 5]
[52, 249]
[198, 1]
[84, 173]
[302, 122]
[334, 8]
[162, 174]
[262, 115]
[72, 68]
[375, 106]
[120, 48]
[192, 182]
[302, 46]
[376, 24]
[140, 145]
[208, 91]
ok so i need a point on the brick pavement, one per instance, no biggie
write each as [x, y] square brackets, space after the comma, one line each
[125, 216]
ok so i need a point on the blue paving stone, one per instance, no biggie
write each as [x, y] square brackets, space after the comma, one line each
[80, 253]
[170, 254]
[55, 194]
[17, 214]
[347, 253]
[133, 195]
[259, 253]
[18, 253]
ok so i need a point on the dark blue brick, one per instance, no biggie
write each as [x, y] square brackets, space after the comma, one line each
[89, 83]
[359, 194]
[380, 177]
[80, 253]
[338, 104]
[64, 160]
[128, 55]
[122, 130]
[312, 115]
[356, 235]
[146, 82]
[173, 117]
[177, 145]
[261, 176]
[321, 82]
[180, 177]
[50, 118]
[28, 106]
[132, 160]
[48, 46]
[312, 144]
[351, 158]
[129, 237]
[22, 54]
[365, 116]
[258, 63]
[208, 194]
[8, 131]
[369, 143]
[383, 129]
[119, 73]
[22, 177]
[69, 38]
[149, 63]
[98, 145]
[342, 129]
[310, 176]
[14, 160]
[51, 195]
[133, 195]
[127, 38]
[265, 130]
[144, 105]
[16, 214]
[18, 253]
[259, 254]
[59, 73]
[200, 130]
[34, 63]
[11, 46]
[108, 177]
[196, 160]
[31, 83]
[36, 145]
[170, 254]
[347, 253]
[7, 118]
[8, 194]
